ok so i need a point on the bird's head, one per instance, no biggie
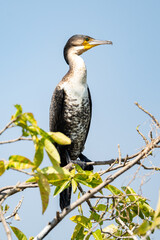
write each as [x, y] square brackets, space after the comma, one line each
[79, 44]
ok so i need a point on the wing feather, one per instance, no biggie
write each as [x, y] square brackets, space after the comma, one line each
[56, 110]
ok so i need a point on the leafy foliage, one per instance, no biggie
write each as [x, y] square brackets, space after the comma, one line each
[119, 206]
[123, 204]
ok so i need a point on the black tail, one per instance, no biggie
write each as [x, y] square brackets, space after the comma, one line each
[65, 198]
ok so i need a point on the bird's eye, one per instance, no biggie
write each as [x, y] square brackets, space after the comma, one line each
[87, 39]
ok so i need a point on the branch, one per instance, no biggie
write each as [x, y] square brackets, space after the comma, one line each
[6, 228]
[141, 134]
[8, 125]
[88, 201]
[126, 228]
[109, 162]
[15, 210]
[10, 190]
[16, 140]
[91, 192]
[149, 114]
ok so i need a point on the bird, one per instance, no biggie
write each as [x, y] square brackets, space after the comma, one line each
[71, 106]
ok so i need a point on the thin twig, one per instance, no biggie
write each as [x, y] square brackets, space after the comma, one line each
[87, 201]
[22, 171]
[120, 156]
[116, 196]
[16, 140]
[15, 210]
[8, 125]
[149, 114]
[148, 168]
[141, 134]
[116, 237]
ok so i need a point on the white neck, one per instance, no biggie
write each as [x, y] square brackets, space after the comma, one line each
[77, 67]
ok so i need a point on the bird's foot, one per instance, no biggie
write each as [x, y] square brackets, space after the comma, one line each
[83, 162]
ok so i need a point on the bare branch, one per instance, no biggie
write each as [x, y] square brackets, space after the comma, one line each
[15, 210]
[149, 168]
[6, 228]
[141, 134]
[16, 140]
[10, 190]
[149, 114]
[8, 125]
[109, 162]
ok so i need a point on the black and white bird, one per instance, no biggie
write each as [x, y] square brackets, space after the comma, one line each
[71, 106]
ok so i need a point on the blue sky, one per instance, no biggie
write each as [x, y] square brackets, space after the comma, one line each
[33, 34]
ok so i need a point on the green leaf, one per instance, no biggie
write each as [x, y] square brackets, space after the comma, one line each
[110, 229]
[97, 235]
[137, 212]
[101, 207]
[60, 188]
[52, 151]
[129, 190]
[88, 178]
[80, 210]
[56, 174]
[78, 233]
[60, 138]
[74, 185]
[114, 190]
[156, 223]
[143, 228]
[84, 221]
[95, 216]
[157, 212]
[19, 162]
[146, 209]
[79, 169]
[2, 167]
[44, 190]
[38, 157]
[18, 233]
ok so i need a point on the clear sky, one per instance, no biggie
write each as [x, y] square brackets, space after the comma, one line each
[32, 37]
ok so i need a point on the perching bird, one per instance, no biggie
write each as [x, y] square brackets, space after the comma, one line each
[71, 107]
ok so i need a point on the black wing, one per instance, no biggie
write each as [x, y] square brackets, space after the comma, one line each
[56, 110]
[90, 102]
